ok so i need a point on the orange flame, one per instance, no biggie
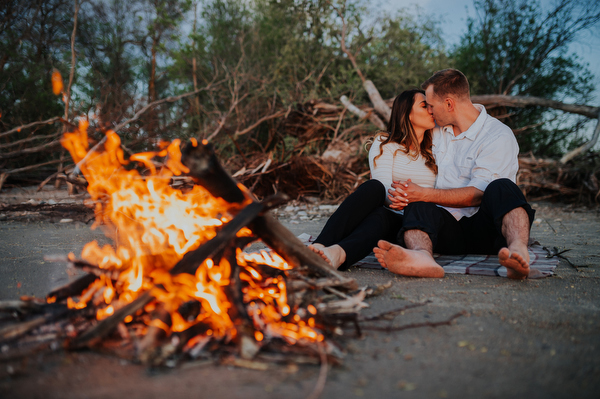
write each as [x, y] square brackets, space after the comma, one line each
[57, 83]
[153, 226]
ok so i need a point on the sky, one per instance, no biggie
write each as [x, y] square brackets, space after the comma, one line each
[453, 16]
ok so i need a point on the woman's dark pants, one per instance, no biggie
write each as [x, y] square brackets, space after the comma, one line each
[359, 222]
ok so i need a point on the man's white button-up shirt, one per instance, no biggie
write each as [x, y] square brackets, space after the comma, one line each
[485, 152]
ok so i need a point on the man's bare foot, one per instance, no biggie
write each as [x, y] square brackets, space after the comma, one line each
[515, 261]
[407, 262]
[334, 255]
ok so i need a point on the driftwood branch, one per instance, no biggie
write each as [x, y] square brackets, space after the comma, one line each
[584, 148]
[258, 122]
[29, 139]
[499, 100]
[158, 102]
[93, 335]
[446, 322]
[32, 124]
[30, 167]
[362, 114]
[31, 150]
[378, 103]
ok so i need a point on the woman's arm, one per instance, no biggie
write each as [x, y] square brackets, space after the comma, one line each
[382, 168]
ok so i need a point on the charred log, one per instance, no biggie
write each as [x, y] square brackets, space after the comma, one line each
[74, 288]
[201, 160]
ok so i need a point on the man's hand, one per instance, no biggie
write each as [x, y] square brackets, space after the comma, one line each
[404, 192]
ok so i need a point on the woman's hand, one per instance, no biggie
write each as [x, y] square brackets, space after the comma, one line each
[404, 192]
[398, 197]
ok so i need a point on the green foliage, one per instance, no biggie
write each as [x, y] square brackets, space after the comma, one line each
[271, 57]
[108, 64]
[515, 48]
[32, 43]
[402, 53]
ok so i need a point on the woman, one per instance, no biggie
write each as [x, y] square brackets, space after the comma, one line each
[403, 153]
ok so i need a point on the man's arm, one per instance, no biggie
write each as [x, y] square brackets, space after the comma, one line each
[403, 193]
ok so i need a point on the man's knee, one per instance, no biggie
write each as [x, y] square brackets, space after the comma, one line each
[501, 196]
[502, 187]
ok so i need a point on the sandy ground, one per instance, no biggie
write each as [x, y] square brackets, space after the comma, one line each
[533, 338]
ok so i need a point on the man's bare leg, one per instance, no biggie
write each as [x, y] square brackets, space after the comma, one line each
[515, 257]
[334, 255]
[416, 261]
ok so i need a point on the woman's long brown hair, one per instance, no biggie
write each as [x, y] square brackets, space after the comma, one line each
[400, 130]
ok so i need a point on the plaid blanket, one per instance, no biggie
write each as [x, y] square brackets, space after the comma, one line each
[484, 265]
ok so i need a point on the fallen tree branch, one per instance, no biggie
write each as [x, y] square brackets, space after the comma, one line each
[584, 148]
[258, 122]
[362, 114]
[499, 100]
[30, 167]
[32, 124]
[29, 139]
[394, 311]
[5, 174]
[158, 102]
[417, 325]
[31, 150]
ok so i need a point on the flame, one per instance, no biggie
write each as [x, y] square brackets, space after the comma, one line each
[153, 225]
[57, 82]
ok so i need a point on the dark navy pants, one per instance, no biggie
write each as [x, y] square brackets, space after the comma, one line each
[361, 221]
[477, 234]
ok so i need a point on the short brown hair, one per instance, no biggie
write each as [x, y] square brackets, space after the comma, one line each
[448, 82]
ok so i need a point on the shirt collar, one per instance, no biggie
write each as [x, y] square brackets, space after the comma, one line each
[472, 132]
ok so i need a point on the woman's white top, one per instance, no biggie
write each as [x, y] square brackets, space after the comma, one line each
[394, 164]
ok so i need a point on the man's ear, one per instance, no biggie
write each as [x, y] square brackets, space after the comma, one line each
[449, 104]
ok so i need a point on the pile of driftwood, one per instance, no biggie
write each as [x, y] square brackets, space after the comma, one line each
[572, 183]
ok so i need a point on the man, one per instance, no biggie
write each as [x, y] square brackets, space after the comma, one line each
[475, 207]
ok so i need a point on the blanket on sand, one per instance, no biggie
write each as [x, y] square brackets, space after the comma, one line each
[484, 265]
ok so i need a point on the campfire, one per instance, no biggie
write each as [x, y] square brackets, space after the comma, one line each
[179, 282]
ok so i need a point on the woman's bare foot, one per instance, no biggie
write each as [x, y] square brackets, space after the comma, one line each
[407, 262]
[515, 261]
[334, 255]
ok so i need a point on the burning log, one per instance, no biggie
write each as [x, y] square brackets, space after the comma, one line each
[106, 326]
[204, 166]
[73, 288]
[190, 262]
[148, 350]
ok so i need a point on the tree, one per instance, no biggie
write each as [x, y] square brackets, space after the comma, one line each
[515, 48]
[107, 40]
[34, 39]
